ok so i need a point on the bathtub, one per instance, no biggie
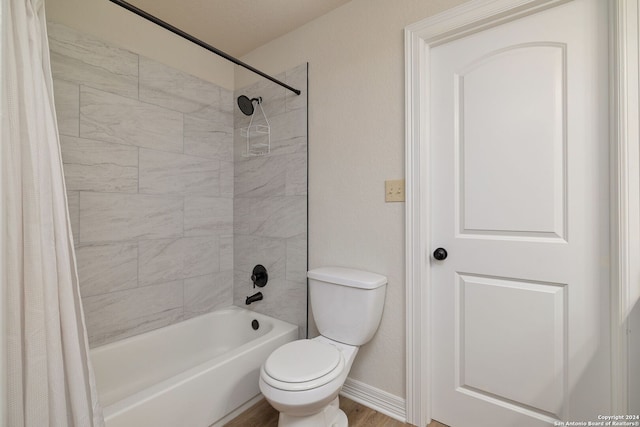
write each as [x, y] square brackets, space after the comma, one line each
[190, 374]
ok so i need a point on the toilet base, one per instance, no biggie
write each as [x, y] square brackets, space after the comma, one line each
[330, 416]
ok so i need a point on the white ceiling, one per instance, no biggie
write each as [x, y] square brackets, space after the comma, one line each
[237, 26]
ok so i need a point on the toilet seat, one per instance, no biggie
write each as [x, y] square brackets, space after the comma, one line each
[302, 365]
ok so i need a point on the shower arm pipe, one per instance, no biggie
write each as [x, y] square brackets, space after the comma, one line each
[199, 42]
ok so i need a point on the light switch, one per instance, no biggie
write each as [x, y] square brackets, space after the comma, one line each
[394, 190]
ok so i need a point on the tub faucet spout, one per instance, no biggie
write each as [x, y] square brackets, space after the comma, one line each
[253, 298]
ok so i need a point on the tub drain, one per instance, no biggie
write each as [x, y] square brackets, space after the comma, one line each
[255, 324]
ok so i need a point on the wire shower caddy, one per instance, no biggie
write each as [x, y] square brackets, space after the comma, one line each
[258, 136]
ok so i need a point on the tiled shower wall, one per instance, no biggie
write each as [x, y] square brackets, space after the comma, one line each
[270, 202]
[148, 159]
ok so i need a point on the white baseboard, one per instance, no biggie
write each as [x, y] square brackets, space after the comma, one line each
[374, 398]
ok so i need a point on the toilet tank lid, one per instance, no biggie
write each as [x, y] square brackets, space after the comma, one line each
[347, 277]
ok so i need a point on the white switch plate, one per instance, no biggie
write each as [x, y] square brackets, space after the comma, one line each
[394, 190]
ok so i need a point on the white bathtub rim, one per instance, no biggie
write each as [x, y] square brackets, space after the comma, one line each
[194, 319]
[280, 329]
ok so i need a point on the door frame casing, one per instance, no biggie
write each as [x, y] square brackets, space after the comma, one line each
[464, 20]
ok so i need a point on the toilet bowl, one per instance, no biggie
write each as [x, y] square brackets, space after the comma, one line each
[302, 379]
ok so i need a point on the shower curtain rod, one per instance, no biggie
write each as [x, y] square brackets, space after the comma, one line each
[199, 42]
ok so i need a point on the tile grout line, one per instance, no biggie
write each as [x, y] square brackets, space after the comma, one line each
[138, 192]
[184, 286]
[79, 192]
[79, 105]
[78, 238]
[138, 77]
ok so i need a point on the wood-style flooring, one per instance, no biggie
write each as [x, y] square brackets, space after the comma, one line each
[263, 415]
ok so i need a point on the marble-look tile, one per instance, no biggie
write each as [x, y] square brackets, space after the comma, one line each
[99, 166]
[206, 216]
[273, 99]
[243, 287]
[113, 216]
[260, 177]
[296, 179]
[116, 315]
[167, 173]
[67, 100]
[239, 147]
[251, 250]
[290, 125]
[212, 138]
[104, 268]
[288, 300]
[221, 111]
[297, 145]
[227, 102]
[160, 261]
[170, 259]
[226, 252]
[297, 291]
[226, 179]
[297, 258]
[201, 256]
[194, 258]
[73, 202]
[83, 59]
[297, 78]
[113, 118]
[206, 293]
[132, 327]
[171, 88]
[280, 217]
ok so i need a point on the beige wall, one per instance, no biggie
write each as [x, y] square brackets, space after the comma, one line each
[356, 142]
[114, 25]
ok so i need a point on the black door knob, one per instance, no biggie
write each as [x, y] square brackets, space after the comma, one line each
[440, 254]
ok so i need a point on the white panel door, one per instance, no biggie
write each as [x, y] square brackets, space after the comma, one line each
[520, 202]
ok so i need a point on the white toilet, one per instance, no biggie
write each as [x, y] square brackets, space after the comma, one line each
[302, 379]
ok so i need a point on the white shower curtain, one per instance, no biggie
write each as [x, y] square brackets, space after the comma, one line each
[49, 382]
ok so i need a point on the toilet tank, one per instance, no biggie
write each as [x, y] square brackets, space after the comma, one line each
[347, 304]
